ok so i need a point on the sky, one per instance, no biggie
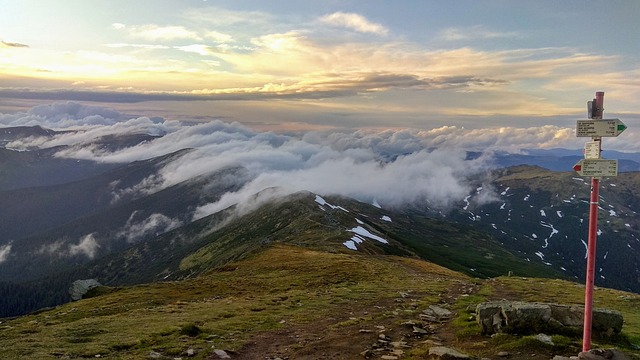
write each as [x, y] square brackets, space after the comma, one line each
[373, 99]
[463, 67]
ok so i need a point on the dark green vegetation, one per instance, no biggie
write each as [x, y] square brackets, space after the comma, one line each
[542, 216]
[297, 220]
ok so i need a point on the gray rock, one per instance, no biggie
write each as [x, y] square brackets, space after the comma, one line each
[529, 318]
[559, 357]
[546, 339]
[80, 287]
[438, 312]
[445, 353]
[419, 331]
[599, 354]
[520, 316]
[221, 354]
[607, 321]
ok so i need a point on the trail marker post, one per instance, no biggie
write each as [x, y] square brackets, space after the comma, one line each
[593, 165]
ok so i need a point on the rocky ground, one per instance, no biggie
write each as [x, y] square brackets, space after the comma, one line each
[396, 329]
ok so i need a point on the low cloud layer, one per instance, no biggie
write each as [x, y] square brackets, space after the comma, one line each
[87, 246]
[154, 224]
[392, 167]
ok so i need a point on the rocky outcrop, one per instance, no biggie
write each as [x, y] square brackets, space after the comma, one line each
[80, 287]
[532, 318]
[596, 354]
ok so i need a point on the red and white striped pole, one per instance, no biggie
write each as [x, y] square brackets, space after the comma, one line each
[597, 111]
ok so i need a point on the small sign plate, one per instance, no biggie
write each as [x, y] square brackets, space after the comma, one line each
[592, 150]
[600, 128]
[597, 167]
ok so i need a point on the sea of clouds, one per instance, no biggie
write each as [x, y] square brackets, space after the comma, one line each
[390, 167]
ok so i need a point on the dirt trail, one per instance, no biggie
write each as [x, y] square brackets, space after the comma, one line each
[386, 329]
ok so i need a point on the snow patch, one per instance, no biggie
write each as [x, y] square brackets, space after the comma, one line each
[540, 255]
[5, 250]
[364, 232]
[553, 232]
[542, 213]
[505, 191]
[323, 202]
[586, 248]
[559, 213]
[466, 200]
[386, 218]
[350, 244]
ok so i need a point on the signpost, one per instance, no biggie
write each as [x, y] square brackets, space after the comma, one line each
[600, 128]
[594, 166]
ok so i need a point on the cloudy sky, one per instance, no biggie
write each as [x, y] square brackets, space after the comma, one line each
[323, 65]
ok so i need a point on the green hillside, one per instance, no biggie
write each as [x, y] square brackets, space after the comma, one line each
[296, 303]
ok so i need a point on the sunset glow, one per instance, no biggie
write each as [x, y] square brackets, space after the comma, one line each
[420, 64]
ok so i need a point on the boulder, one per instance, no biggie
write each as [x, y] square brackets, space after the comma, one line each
[600, 354]
[80, 287]
[529, 318]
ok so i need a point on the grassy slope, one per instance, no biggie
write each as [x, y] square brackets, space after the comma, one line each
[228, 305]
[280, 288]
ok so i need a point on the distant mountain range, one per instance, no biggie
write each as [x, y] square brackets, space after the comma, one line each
[64, 219]
[563, 159]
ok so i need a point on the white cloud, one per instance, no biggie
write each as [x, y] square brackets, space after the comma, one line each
[354, 22]
[195, 48]
[395, 167]
[54, 248]
[88, 246]
[155, 224]
[139, 46]
[153, 32]
[5, 250]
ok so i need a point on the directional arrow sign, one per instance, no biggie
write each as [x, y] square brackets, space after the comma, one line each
[596, 167]
[600, 128]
